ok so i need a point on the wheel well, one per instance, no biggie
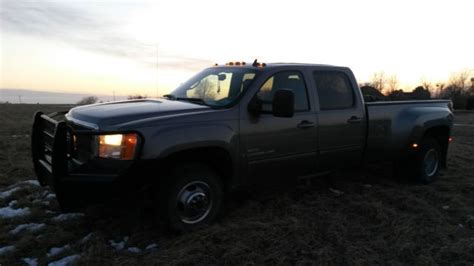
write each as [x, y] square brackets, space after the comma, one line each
[441, 135]
[217, 158]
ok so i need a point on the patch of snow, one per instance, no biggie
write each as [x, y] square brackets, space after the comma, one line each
[31, 182]
[335, 191]
[55, 251]
[134, 250]
[151, 246]
[367, 185]
[65, 261]
[50, 212]
[12, 203]
[50, 196]
[34, 183]
[445, 207]
[66, 216]
[8, 193]
[30, 261]
[6, 249]
[37, 201]
[119, 245]
[8, 212]
[86, 238]
[31, 227]
[20, 136]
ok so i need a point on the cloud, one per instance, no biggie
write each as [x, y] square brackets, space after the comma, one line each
[78, 26]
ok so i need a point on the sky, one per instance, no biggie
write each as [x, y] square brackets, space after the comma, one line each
[150, 47]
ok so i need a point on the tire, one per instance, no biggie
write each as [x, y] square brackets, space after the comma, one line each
[428, 161]
[191, 197]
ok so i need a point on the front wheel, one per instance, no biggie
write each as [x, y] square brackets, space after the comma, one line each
[428, 161]
[191, 197]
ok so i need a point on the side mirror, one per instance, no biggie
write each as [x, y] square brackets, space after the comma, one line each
[283, 104]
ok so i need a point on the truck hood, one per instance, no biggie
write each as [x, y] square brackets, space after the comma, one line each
[107, 114]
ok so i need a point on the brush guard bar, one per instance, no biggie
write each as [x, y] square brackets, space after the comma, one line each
[51, 146]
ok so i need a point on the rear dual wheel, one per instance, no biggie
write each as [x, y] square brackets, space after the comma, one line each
[428, 161]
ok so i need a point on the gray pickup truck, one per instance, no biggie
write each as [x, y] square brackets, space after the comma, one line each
[227, 127]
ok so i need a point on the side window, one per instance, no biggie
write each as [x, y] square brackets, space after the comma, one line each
[292, 80]
[334, 90]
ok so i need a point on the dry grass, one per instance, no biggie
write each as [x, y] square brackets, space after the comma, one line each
[377, 220]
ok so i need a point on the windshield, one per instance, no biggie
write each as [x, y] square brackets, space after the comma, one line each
[216, 87]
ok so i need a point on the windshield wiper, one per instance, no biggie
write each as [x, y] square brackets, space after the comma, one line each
[169, 96]
[193, 100]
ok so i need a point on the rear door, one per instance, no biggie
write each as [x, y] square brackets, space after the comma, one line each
[341, 118]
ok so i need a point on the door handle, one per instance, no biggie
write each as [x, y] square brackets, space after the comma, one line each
[354, 119]
[305, 124]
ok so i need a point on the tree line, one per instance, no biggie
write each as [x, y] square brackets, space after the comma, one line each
[459, 88]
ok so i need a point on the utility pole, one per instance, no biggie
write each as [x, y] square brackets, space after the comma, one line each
[19, 98]
[114, 94]
[157, 74]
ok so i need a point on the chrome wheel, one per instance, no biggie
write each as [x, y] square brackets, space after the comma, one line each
[194, 202]
[431, 162]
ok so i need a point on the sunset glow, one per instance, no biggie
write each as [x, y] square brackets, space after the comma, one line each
[148, 47]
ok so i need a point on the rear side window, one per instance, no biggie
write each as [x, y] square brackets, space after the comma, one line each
[334, 90]
[292, 80]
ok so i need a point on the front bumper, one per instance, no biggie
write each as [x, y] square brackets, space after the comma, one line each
[59, 164]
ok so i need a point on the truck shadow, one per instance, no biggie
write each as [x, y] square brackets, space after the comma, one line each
[130, 215]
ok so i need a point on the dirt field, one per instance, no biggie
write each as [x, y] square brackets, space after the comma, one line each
[348, 218]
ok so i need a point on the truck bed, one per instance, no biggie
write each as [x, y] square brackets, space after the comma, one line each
[393, 125]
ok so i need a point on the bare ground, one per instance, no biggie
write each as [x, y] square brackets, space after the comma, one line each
[359, 218]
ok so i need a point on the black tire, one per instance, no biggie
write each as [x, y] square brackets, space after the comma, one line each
[191, 197]
[428, 161]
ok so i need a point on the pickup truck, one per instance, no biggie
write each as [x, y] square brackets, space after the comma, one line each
[227, 127]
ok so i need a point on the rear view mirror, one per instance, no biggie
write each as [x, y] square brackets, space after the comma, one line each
[283, 104]
[222, 77]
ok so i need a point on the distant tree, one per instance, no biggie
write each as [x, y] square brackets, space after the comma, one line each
[392, 83]
[425, 83]
[398, 95]
[470, 96]
[371, 94]
[459, 79]
[420, 93]
[137, 97]
[378, 81]
[88, 100]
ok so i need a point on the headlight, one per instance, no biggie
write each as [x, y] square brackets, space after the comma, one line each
[118, 146]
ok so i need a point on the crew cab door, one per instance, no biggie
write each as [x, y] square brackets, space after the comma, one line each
[277, 146]
[342, 119]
